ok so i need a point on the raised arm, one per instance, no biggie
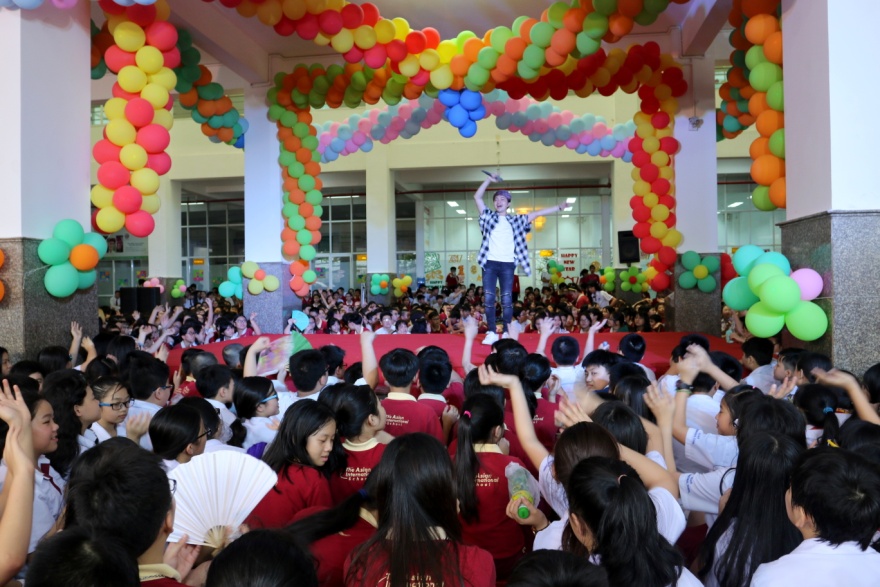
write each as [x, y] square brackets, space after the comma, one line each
[76, 334]
[369, 364]
[478, 195]
[250, 360]
[545, 211]
[850, 384]
[256, 327]
[545, 327]
[705, 364]
[470, 333]
[591, 337]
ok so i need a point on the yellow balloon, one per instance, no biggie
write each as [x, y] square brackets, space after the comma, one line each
[151, 204]
[641, 118]
[336, 5]
[669, 106]
[660, 158]
[110, 219]
[129, 36]
[343, 41]
[385, 31]
[101, 196]
[248, 9]
[660, 212]
[672, 239]
[155, 95]
[114, 108]
[651, 199]
[163, 118]
[133, 156]
[409, 66]
[651, 273]
[132, 79]
[602, 77]
[165, 77]
[643, 131]
[163, 11]
[120, 132]
[315, 6]
[441, 78]
[659, 230]
[293, 9]
[447, 50]
[365, 37]
[321, 40]
[667, 173]
[641, 188]
[636, 174]
[701, 271]
[271, 283]
[145, 180]
[401, 28]
[569, 66]
[149, 59]
[651, 144]
[429, 59]
[269, 12]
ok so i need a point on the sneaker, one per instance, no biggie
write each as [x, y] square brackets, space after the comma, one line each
[491, 337]
[505, 335]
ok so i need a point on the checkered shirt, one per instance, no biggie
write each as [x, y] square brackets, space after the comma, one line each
[520, 225]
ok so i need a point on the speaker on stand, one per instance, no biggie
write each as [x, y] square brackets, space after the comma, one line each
[627, 247]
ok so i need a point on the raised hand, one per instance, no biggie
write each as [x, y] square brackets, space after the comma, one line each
[598, 326]
[536, 517]
[782, 390]
[137, 426]
[662, 405]
[76, 330]
[450, 414]
[181, 556]
[470, 328]
[261, 344]
[489, 376]
[570, 413]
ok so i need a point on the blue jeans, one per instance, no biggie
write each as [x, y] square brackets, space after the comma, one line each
[498, 273]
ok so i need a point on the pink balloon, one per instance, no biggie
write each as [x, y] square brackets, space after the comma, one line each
[511, 106]
[600, 130]
[567, 116]
[359, 138]
[572, 143]
[374, 116]
[618, 150]
[586, 138]
[810, 283]
[421, 78]
[364, 125]
[554, 120]
[405, 110]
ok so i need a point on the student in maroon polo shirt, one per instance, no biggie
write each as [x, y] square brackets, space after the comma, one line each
[76, 557]
[405, 414]
[418, 539]
[482, 486]
[263, 557]
[436, 390]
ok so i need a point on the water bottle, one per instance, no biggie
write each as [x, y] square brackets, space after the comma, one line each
[519, 487]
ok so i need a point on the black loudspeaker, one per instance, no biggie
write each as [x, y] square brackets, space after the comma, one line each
[627, 247]
[142, 299]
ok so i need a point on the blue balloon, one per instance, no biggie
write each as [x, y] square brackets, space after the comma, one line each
[412, 127]
[774, 258]
[239, 142]
[546, 108]
[548, 138]
[627, 157]
[535, 137]
[533, 112]
[580, 149]
[337, 145]
[384, 119]
[234, 275]
[578, 126]
[478, 113]
[608, 142]
[449, 98]
[419, 114]
[563, 133]
[470, 99]
[503, 121]
[589, 120]
[344, 133]
[245, 125]
[594, 148]
[367, 146]
[469, 129]
[330, 155]
[377, 132]
[520, 119]
[457, 116]
[425, 101]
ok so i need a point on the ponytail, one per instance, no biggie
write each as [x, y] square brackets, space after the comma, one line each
[239, 433]
[819, 404]
[480, 415]
[830, 427]
[331, 521]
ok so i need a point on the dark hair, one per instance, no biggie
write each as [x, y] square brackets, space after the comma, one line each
[760, 349]
[862, 438]
[554, 568]
[472, 387]
[601, 358]
[147, 376]
[29, 389]
[121, 347]
[480, 416]
[435, 371]
[535, 372]
[809, 361]
[195, 363]
[703, 383]
[98, 368]
[306, 369]
[63, 390]
[104, 385]
[354, 372]
[623, 423]
[728, 364]
[578, 442]
[754, 520]
[249, 393]
[632, 346]
[871, 381]
[511, 355]
[54, 358]
[399, 367]
[119, 490]
[631, 391]
[263, 558]
[789, 357]
[25, 368]
[736, 398]
[698, 339]
[416, 496]
[232, 354]
[210, 418]
[301, 420]
[351, 406]
[767, 413]
[211, 378]
[173, 428]
[840, 491]
[333, 355]
[818, 405]
[609, 497]
[77, 558]
[565, 350]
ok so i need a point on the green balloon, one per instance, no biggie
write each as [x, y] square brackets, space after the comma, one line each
[595, 25]
[633, 271]
[499, 38]
[806, 321]
[533, 56]
[690, 260]
[605, 7]
[641, 278]
[755, 56]
[307, 252]
[542, 32]
[53, 251]
[707, 284]
[764, 75]
[70, 231]
[761, 273]
[375, 289]
[781, 293]
[777, 143]
[626, 286]
[87, 279]
[301, 130]
[713, 264]
[744, 258]
[97, 242]
[286, 158]
[487, 57]
[763, 322]
[556, 13]
[309, 276]
[314, 197]
[176, 293]
[226, 289]
[306, 183]
[586, 44]
[234, 275]
[290, 211]
[655, 7]
[609, 286]
[297, 223]
[376, 278]
[255, 287]
[288, 119]
[737, 294]
[776, 96]
[687, 280]
[319, 211]
[304, 237]
[61, 280]
[761, 199]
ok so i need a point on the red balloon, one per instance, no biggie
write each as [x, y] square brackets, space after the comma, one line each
[330, 22]
[396, 50]
[641, 214]
[113, 175]
[104, 151]
[660, 186]
[416, 42]
[139, 112]
[375, 56]
[307, 27]
[649, 173]
[162, 35]
[669, 145]
[354, 55]
[141, 14]
[231, 3]
[658, 265]
[635, 202]
[352, 16]
[285, 27]
[172, 58]
[118, 92]
[650, 105]
[116, 58]
[259, 274]
[641, 158]
[667, 201]
[140, 224]
[371, 13]
[127, 199]
[153, 138]
[433, 37]
[667, 256]
[642, 229]
[650, 245]
[660, 282]
[297, 282]
[660, 120]
[95, 227]
[159, 162]
[316, 237]
[111, 7]
[670, 220]
[635, 145]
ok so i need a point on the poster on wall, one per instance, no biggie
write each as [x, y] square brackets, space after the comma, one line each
[434, 275]
[123, 244]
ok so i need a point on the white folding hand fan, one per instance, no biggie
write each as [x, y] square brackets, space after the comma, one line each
[217, 491]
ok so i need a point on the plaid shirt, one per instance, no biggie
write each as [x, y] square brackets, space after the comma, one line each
[520, 225]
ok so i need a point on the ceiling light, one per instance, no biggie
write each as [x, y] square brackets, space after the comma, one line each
[566, 215]
[519, 191]
[453, 204]
[571, 200]
[460, 211]
[469, 218]
[735, 204]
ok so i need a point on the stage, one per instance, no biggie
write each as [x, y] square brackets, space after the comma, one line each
[659, 345]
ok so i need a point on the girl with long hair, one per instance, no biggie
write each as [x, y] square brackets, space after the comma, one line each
[75, 409]
[256, 404]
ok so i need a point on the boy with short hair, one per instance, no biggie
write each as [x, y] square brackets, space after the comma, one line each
[757, 358]
[632, 347]
[308, 369]
[405, 414]
[148, 382]
[215, 383]
[565, 351]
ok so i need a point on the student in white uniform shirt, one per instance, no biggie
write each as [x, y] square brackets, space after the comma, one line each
[632, 347]
[565, 352]
[335, 359]
[214, 425]
[151, 391]
[758, 358]
[215, 383]
[308, 370]
[114, 401]
[834, 501]
[256, 405]
[178, 434]
[75, 409]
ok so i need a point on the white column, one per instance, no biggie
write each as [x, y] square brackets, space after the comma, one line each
[164, 245]
[262, 181]
[830, 142]
[381, 215]
[696, 164]
[44, 155]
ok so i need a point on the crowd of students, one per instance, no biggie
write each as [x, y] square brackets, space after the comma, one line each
[759, 470]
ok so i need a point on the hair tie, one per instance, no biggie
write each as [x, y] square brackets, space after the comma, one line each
[828, 410]
[467, 413]
[363, 493]
[619, 478]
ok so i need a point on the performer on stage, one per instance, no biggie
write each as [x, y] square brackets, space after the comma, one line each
[503, 248]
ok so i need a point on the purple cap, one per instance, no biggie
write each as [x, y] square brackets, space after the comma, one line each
[504, 193]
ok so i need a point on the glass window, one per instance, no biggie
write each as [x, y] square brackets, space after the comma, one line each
[326, 237]
[339, 208]
[235, 211]
[197, 214]
[406, 235]
[358, 208]
[217, 241]
[236, 241]
[217, 214]
[198, 242]
[359, 237]
[435, 234]
[405, 209]
[341, 237]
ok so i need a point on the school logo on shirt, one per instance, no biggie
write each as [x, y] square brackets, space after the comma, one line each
[356, 473]
[395, 420]
[414, 581]
[485, 480]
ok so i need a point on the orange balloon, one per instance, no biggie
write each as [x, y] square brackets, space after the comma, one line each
[2, 290]
[737, 78]
[767, 168]
[259, 274]
[460, 65]
[769, 122]
[297, 196]
[288, 234]
[2, 258]
[747, 92]
[746, 119]
[563, 42]
[316, 237]
[472, 48]
[773, 48]
[630, 8]
[225, 134]
[313, 223]
[620, 25]
[297, 282]
[574, 18]
[190, 98]
[739, 41]
[758, 104]
[313, 168]
[306, 210]
[760, 146]
[290, 248]
[777, 192]
[515, 47]
[760, 27]
[84, 257]
[553, 58]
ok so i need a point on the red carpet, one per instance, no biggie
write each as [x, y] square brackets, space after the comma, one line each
[660, 346]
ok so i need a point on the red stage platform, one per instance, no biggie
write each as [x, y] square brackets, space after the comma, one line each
[660, 346]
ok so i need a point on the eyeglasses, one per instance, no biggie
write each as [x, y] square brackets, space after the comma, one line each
[209, 432]
[172, 485]
[270, 398]
[117, 406]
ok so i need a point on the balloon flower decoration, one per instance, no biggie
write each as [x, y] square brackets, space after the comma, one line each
[775, 296]
[463, 109]
[72, 255]
[608, 278]
[156, 282]
[401, 284]
[260, 281]
[699, 272]
[178, 290]
[302, 276]
[2, 287]
[232, 286]
[379, 284]
[633, 279]
[555, 270]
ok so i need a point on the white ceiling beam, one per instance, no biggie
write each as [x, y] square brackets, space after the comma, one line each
[704, 20]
